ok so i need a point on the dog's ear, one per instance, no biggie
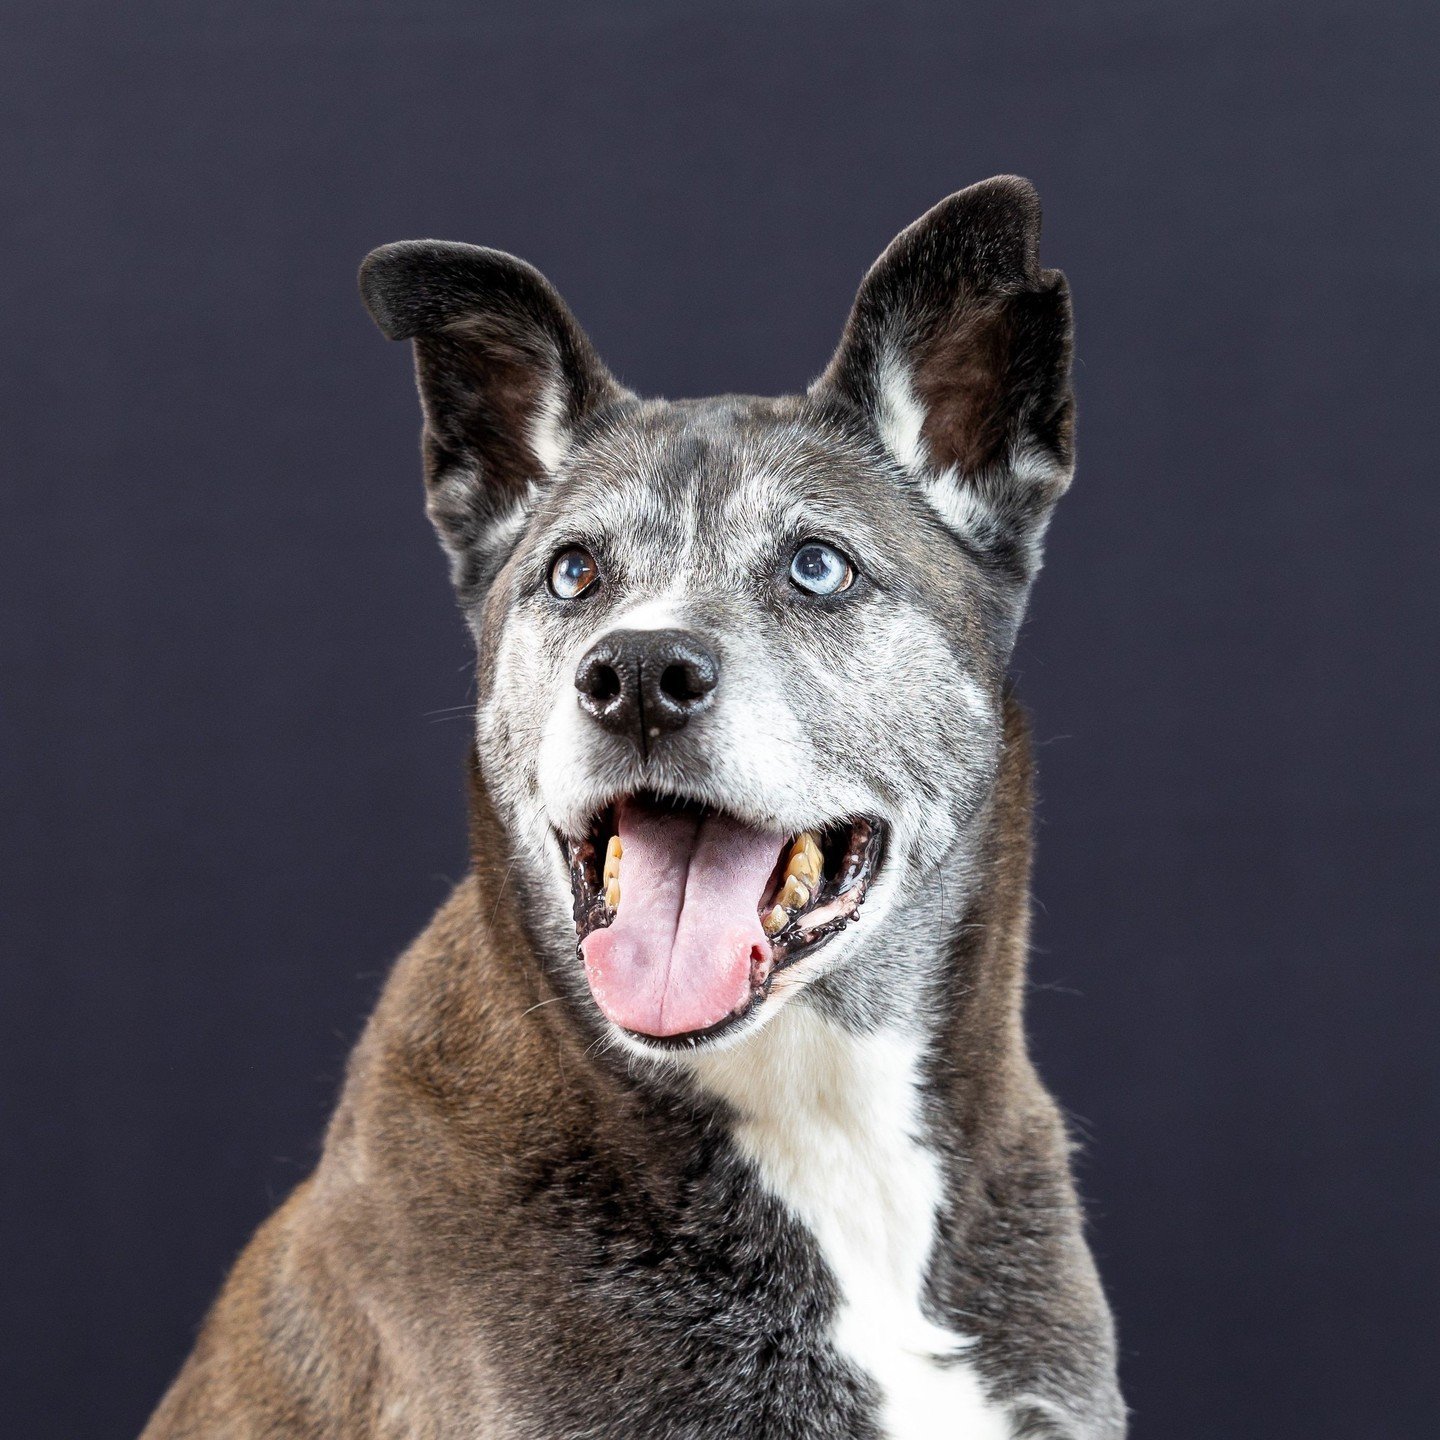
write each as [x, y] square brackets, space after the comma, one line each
[506, 378]
[957, 355]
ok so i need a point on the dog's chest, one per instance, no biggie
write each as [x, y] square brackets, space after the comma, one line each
[830, 1122]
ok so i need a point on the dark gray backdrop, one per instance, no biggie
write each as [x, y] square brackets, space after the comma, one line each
[231, 758]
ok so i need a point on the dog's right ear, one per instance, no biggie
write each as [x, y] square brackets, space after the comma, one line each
[957, 355]
[506, 378]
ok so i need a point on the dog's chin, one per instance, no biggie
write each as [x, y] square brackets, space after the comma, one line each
[690, 920]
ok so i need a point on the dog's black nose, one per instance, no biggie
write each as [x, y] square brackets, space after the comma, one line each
[645, 683]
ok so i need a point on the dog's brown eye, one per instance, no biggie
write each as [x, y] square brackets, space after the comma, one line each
[573, 572]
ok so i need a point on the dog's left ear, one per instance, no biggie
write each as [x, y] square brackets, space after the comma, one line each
[957, 354]
[506, 378]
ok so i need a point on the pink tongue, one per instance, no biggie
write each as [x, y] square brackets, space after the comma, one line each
[680, 952]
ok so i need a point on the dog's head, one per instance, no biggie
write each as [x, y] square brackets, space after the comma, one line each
[740, 660]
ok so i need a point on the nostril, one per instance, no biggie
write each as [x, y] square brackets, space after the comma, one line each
[602, 682]
[688, 676]
[678, 682]
[687, 673]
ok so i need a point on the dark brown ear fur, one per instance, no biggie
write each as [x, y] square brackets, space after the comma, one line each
[506, 375]
[958, 318]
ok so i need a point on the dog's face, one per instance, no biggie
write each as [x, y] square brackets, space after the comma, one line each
[740, 660]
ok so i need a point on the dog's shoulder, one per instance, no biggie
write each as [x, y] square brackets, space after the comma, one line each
[283, 1350]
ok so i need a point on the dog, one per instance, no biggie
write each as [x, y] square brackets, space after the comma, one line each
[703, 1106]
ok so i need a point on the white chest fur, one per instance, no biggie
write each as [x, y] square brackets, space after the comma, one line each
[830, 1121]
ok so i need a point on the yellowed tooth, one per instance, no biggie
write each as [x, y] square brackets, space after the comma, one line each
[775, 920]
[793, 894]
[811, 847]
[613, 852]
[803, 865]
[612, 894]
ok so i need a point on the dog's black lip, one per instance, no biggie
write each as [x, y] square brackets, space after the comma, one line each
[693, 1039]
[859, 869]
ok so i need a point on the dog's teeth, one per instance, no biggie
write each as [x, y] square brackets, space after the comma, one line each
[774, 921]
[804, 860]
[612, 894]
[613, 852]
[793, 894]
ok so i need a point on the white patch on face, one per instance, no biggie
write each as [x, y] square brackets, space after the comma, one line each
[660, 613]
[830, 1120]
[899, 416]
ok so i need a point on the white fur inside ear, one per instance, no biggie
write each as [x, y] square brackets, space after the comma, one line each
[504, 530]
[965, 504]
[899, 416]
[900, 419]
[979, 508]
[961, 507]
[549, 435]
[1034, 470]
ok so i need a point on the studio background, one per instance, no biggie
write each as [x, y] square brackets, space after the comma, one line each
[234, 683]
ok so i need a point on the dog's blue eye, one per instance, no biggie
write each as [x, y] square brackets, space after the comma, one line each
[821, 569]
[573, 572]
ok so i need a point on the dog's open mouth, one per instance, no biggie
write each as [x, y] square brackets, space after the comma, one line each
[683, 915]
